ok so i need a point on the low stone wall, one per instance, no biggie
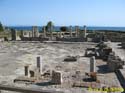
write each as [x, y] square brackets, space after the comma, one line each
[34, 39]
[117, 39]
[71, 39]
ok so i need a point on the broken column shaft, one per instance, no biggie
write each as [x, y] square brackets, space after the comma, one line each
[70, 29]
[51, 32]
[92, 64]
[76, 31]
[44, 31]
[58, 34]
[30, 34]
[35, 31]
[22, 33]
[84, 31]
[26, 70]
[38, 64]
[13, 34]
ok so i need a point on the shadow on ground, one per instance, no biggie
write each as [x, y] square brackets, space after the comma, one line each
[103, 69]
[44, 84]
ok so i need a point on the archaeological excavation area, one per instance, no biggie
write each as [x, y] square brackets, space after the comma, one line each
[65, 67]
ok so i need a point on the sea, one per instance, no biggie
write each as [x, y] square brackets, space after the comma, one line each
[57, 28]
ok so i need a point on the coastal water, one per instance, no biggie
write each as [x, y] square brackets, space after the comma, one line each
[57, 28]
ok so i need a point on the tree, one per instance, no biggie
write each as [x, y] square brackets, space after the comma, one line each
[63, 28]
[49, 26]
[1, 27]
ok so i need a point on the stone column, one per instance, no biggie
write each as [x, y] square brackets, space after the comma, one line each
[63, 34]
[58, 34]
[70, 29]
[13, 34]
[51, 33]
[44, 31]
[92, 64]
[26, 70]
[56, 78]
[30, 34]
[76, 30]
[38, 63]
[22, 33]
[35, 31]
[84, 31]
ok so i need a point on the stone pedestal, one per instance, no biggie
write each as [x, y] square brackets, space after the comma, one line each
[56, 78]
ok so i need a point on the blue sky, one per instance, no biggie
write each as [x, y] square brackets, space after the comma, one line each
[63, 12]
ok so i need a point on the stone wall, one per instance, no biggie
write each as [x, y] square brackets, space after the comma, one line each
[123, 45]
[117, 39]
[34, 39]
[114, 62]
[71, 39]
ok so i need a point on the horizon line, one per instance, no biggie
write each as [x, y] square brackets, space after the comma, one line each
[62, 25]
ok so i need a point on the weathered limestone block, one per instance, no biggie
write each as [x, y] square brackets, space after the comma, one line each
[56, 78]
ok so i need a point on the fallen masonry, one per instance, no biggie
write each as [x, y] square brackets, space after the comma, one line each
[70, 59]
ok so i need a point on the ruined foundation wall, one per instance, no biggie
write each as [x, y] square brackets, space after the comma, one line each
[71, 39]
[114, 62]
